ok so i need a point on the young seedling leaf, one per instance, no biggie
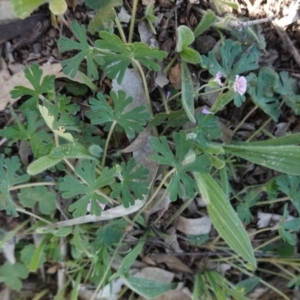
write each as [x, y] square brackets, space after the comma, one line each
[50, 120]
[88, 188]
[185, 160]
[38, 194]
[118, 56]
[285, 159]
[185, 37]
[105, 15]
[131, 121]
[92, 55]
[222, 100]
[261, 90]
[224, 218]
[41, 164]
[208, 19]
[30, 254]
[190, 55]
[23, 8]
[58, 7]
[187, 95]
[132, 182]
[71, 150]
[130, 258]
[11, 275]
[8, 178]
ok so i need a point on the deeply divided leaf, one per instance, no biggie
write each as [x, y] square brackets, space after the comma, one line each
[130, 120]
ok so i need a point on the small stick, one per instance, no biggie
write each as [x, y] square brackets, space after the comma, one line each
[287, 42]
[236, 24]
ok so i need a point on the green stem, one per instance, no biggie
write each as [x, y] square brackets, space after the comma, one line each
[272, 201]
[165, 100]
[26, 185]
[107, 143]
[246, 117]
[24, 211]
[133, 15]
[261, 280]
[156, 192]
[121, 31]
[168, 67]
[139, 67]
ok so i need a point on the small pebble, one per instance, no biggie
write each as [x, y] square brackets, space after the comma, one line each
[205, 43]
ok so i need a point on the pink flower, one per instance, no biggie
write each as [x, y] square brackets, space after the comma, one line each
[240, 85]
[218, 79]
[205, 111]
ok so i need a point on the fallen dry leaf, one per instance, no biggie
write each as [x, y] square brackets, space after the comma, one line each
[175, 77]
[9, 82]
[171, 261]
[148, 2]
[6, 11]
[194, 226]
[123, 15]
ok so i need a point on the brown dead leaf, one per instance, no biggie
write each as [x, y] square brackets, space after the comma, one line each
[175, 77]
[6, 11]
[171, 261]
[72, 3]
[194, 226]
[9, 82]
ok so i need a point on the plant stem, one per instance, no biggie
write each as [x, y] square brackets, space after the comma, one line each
[168, 67]
[139, 67]
[107, 143]
[156, 192]
[133, 15]
[24, 211]
[245, 118]
[26, 185]
[121, 31]
[165, 100]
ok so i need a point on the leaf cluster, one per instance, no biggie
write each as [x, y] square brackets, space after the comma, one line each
[183, 161]
[109, 52]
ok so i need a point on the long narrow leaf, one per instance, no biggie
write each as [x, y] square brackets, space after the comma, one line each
[224, 218]
[284, 159]
[187, 88]
[289, 139]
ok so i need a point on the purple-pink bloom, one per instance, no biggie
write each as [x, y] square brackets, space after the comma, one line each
[218, 79]
[205, 111]
[168, 94]
[240, 85]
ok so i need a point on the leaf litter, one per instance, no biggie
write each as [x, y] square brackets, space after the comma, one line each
[141, 150]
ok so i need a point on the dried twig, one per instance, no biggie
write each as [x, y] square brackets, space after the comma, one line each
[236, 24]
[287, 42]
